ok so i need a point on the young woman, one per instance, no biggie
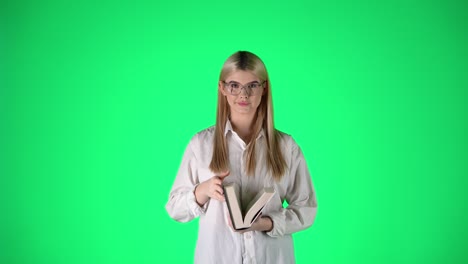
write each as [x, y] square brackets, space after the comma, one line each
[243, 148]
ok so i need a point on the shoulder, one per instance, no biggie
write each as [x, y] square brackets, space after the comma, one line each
[291, 151]
[205, 134]
[287, 141]
[201, 145]
[203, 137]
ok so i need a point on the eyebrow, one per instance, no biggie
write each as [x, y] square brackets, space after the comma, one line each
[244, 84]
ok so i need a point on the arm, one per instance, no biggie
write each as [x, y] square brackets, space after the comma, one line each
[182, 205]
[300, 195]
[189, 198]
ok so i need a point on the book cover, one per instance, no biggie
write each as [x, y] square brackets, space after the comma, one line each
[243, 220]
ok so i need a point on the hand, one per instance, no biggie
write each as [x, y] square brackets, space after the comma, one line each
[211, 188]
[263, 224]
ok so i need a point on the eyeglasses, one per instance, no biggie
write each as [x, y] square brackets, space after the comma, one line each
[252, 88]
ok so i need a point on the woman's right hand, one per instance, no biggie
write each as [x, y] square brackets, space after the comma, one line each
[211, 188]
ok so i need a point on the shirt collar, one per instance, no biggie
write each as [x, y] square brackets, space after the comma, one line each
[228, 128]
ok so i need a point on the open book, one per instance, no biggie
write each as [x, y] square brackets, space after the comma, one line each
[243, 219]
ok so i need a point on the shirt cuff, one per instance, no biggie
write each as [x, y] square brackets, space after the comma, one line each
[195, 209]
[278, 224]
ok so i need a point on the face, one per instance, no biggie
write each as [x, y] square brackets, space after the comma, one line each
[243, 103]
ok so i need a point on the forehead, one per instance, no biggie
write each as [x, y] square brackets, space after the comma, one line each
[242, 77]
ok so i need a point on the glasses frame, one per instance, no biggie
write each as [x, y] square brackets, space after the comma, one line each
[247, 90]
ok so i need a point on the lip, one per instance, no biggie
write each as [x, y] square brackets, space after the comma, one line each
[243, 103]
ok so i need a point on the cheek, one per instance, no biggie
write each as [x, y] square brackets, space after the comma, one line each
[257, 101]
[230, 100]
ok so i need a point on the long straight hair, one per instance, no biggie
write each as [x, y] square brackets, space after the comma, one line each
[276, 164]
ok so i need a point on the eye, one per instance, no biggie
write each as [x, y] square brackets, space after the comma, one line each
[253, 85]
[233, 85]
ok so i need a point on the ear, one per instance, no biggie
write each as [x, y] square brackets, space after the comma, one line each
[221, 87]
[265, 89]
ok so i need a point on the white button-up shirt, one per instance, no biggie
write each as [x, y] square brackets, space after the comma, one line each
[217, 242]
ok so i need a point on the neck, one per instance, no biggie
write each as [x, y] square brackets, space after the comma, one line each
[243, 126]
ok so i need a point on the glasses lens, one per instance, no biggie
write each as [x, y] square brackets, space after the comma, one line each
[252, 88]
[232, 87]
[252, 85]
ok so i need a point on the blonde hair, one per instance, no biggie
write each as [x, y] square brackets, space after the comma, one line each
[276, 164]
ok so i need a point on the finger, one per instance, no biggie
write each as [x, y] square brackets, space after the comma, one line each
[218, 196]
[259, 216]
[218, 189]
[217, 181]
[223, 175]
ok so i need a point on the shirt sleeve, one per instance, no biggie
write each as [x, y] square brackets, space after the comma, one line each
[300, 195]
[182, 205]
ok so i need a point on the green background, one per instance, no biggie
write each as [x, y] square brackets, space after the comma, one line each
[98, 100]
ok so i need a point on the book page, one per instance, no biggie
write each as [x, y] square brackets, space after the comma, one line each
[257, 204]
[231, 192]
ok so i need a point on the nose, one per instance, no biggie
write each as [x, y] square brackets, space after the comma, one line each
[243, 93]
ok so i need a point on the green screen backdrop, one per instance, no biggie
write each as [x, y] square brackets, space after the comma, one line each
[98, 100]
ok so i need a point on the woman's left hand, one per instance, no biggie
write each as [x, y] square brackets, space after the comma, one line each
[263, 224]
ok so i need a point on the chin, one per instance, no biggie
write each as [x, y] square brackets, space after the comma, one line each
[244, 110]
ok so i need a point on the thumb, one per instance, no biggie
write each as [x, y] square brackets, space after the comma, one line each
[224, 175]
